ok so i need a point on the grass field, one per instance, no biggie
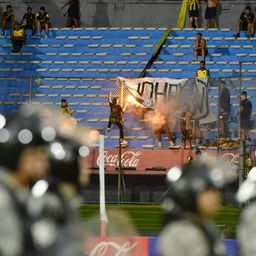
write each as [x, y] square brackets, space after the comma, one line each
[148, 220]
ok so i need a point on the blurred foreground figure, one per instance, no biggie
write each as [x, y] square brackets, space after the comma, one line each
[195, 198]
[23, 160]
[40, 221]
[246, 231]
[54, 200]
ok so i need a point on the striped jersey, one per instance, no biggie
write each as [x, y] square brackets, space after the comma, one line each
[192, 5]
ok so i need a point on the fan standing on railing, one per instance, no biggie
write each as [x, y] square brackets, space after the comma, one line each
[116, 117]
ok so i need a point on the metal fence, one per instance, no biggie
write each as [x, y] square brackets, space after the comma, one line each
[141, 176]
[219, 133]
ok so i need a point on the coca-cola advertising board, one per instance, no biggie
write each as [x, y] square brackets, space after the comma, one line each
[117, 246]
[141, 159]
[136, 246]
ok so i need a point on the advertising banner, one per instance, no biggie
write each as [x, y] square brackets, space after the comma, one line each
[136, 246]
[117, 246]
[139, 160]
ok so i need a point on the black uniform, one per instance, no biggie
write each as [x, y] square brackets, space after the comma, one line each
[246, 114]
[42, 18]
[7, 18]
[73, 10]
[246, 19]
[30, 20]
[225, 108]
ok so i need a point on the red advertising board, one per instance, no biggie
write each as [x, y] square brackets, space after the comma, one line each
[117, 246]
[142, 159]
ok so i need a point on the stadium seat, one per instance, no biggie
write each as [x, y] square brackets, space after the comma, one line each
[80, 64]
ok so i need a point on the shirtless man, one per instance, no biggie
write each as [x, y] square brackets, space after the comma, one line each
[211, 13]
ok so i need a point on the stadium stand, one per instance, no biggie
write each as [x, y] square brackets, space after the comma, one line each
[81, 64]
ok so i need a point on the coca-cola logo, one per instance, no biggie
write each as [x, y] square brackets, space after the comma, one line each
[112, 248]
[128, 159]
[231, 157]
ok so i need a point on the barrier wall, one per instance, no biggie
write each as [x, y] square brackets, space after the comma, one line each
[136, 246]
[102, 13]
[143, 161]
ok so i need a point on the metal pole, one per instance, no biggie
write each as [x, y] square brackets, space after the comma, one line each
[218, 119]
[119, 172]
[241, 142]
[30, 89]
[103, 214]
[120, 168]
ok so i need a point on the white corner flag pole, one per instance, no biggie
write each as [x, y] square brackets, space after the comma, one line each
[103, 214]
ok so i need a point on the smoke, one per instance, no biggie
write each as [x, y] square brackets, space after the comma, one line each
[161, 114]
[155, 119]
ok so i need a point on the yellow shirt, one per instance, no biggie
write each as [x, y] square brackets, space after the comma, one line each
[202, 73]
[66, 111]
[18, 32]
[201, 43]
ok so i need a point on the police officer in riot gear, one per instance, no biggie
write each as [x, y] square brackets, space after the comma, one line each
[40, 221]
[56, 210]
[194, 199]
[23, 160]
[246, 230]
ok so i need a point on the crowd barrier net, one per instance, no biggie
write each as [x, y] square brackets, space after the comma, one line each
[141, 176]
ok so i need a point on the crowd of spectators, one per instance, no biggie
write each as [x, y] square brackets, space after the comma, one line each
[211, 13]
[246, 22]
[33, 22]
[40, 20]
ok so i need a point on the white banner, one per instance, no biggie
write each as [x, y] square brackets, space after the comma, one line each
[189, 93]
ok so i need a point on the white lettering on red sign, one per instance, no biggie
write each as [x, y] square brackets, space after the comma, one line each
[104, 248]
[128, 159]
[231, 157]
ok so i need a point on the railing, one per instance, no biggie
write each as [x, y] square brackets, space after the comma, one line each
[141, 175]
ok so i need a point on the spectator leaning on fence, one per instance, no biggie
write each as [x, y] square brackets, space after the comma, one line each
[193, 11]
[116, 112]
[224, 109]
[42, 21]
[30, 18]
[7, 19]
[200, 47]
[246, 22]
[245, 116]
